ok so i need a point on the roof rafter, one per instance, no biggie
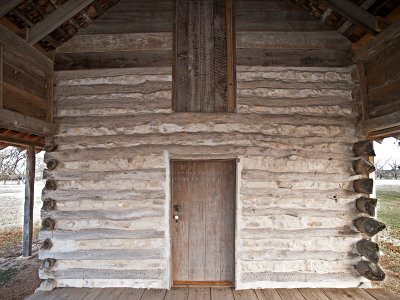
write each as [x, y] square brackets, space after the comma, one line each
[62, 14]
[355, 14]
[9, 5]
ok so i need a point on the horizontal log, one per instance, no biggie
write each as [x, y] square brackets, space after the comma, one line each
[369, 226]
[297, 213]
[304, 278]
[117, 42]
[344, 231]
[291, 40]
[364, 148]
[50, 145]
[102, 233]
[18, 141]
[155, 174]
[20, 122]
[105, 60]
[362, 166]
[370, 271]
[101, 274]
[293, 58]
[368, 249]
[380, 123]
[109, 215]
[280, 255]
[366, 205]
[364, 185]
[116, 254]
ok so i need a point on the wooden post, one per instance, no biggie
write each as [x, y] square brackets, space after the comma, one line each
[1, 74]
[29, 200]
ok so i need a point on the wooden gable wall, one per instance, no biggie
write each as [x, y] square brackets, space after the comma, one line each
[292, 136]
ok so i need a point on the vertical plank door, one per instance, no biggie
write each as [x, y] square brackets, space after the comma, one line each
[203, 237]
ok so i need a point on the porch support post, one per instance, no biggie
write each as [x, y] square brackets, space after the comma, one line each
[29, 200]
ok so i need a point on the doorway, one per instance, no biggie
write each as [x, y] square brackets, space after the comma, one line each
[203, 197]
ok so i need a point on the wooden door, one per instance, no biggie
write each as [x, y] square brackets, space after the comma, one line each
[203, 236]
[204, 56]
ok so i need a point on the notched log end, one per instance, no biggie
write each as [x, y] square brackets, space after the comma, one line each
[368, 249]
[364, 148]
[47, 244]
[369, 226]
[364, 186]
[51, 184]
[50, 146]
[362, 166]
[48, 263]
[370, 270]
[48, 224]
[48, 204]
[51, 164]
[366, 205]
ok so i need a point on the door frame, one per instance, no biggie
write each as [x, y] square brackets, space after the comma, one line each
[171, 219]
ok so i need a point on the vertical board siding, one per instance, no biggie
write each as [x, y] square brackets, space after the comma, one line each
[293, 134]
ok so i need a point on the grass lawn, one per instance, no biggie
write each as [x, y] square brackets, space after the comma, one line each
[389, 239]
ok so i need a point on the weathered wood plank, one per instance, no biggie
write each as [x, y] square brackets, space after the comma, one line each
[313, 294]
[245, 295]
[116, 254]
[117, 42]
[153, 294]
[282, 234]
[176, 294]
[290, 294]
[379, 123]
[29, 201]
[382, 294]
[199, 294]
[297, 277]
[222, 294]
[267, 294]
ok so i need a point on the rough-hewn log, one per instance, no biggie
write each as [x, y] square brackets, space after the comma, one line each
[50, 145]
[48, 263]
[369, 226]
[48, 224]
[51, 184]
[364, 185]
[47, 244]
[48, 204]
[51, 164]
[29, 200]
[370, 270]
[365, 148]
[362, 166]
[368, 249]
[366, 205]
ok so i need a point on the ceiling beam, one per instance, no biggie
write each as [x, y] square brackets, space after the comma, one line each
[17, 141]
[354, 13]
[62, 14]
[16, 121]
[6, 6]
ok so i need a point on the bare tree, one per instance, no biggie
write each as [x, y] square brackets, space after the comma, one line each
[40, 166]
[379, 165]
[395, 165]
[12, 162]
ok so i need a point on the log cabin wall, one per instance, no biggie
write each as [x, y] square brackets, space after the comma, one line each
[292, 135]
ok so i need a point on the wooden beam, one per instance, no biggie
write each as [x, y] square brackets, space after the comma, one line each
[354, 13]
[379, 42]
[363, 90]
[1, 74]
[14, 43]
[55, 19]
[19, 122]
[49, 97]
[380, 123]
[9, 5]
[29, 200]
[17, 141]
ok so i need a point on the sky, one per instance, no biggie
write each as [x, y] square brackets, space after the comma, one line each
[388, 149]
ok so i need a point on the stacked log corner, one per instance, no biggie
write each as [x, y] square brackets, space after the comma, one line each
[365, 205]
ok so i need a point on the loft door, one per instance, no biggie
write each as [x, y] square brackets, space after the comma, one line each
[203, 221]
[203, 56]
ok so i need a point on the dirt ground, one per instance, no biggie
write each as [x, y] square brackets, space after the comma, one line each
[388, 195]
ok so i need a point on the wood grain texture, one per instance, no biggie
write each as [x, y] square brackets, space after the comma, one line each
[29, 201]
